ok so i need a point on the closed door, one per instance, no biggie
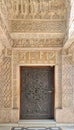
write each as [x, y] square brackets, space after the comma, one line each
[37, 93]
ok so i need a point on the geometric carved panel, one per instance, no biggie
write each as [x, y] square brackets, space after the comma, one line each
[67, 81]
[37, 26]
[36, 43]
[5, 83]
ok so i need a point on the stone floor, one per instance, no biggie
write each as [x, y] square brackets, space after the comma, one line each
[36, 128]
[68, 128]
[63, 128]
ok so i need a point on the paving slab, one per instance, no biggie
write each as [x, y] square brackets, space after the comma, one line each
[68, 128]
[5, 128]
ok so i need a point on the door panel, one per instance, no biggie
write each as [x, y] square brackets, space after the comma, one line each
[37, 95]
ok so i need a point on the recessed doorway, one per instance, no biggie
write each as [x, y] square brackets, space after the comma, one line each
[36, 92]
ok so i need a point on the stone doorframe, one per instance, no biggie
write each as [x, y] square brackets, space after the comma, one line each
[35, 58]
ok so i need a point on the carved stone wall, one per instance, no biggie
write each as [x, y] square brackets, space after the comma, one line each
[37, 26]
[36, 9]
[2, 48]
[5, 83]
[67, 110]
[35, 57]
[5, 89]
[64, 89]
[7, 114]
[36, 16]
[4, 25]
[37, 43]
[67, 81]
[36, 22]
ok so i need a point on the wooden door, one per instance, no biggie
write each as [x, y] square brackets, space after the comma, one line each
[37, 93]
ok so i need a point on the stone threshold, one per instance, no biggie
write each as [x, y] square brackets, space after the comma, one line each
[44, 123]
[37, 123]
[53, 121]
[30, 123]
